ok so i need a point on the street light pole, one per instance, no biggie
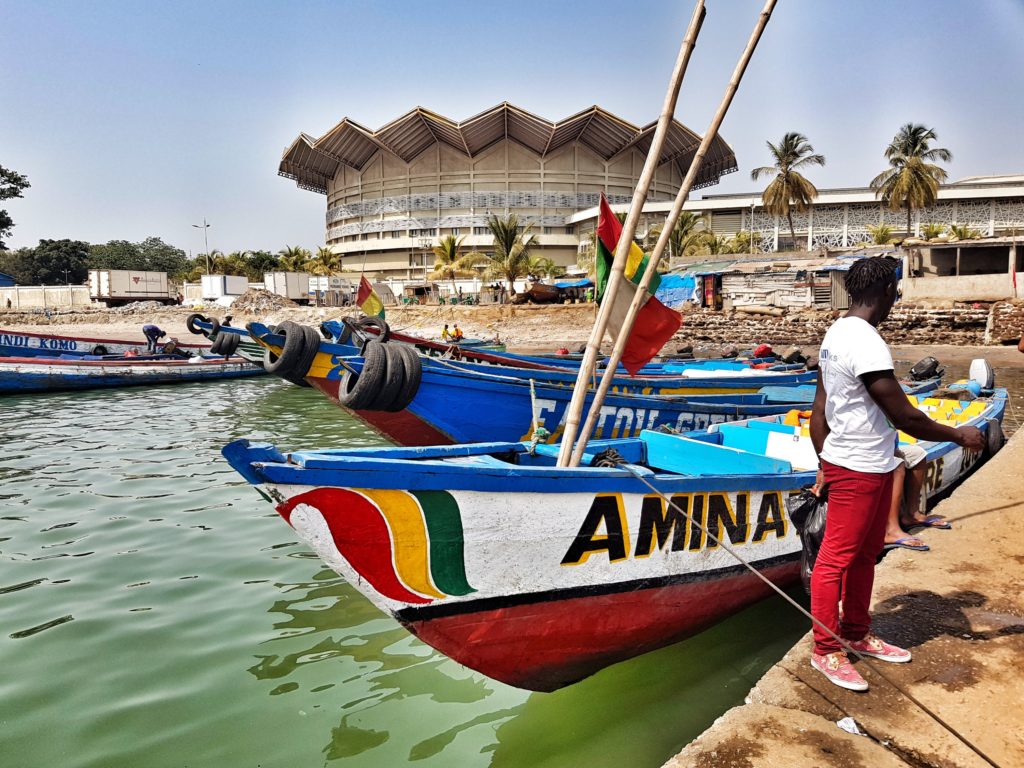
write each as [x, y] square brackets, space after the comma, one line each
[425, 245]
[204, 226]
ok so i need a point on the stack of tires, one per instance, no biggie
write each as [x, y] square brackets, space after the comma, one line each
[223, 343]
[389, 378]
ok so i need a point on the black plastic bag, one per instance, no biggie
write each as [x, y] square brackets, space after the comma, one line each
[808, 513]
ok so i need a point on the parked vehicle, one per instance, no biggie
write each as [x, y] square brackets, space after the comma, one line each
[291, 285]
[123, 286]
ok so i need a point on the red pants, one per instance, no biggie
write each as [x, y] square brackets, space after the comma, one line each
[858, 505]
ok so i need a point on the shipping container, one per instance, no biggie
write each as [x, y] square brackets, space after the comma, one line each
[217, 286]
[122, 286]
[291, 285]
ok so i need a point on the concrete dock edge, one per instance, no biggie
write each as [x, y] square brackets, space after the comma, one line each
[959, 608]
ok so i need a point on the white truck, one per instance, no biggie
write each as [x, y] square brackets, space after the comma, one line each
[123, 286]
[219, 286]
[291, 285]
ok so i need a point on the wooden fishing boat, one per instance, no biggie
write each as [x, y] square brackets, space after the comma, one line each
[538, 575]
[23, 375]
[459, 406]
[23, 344]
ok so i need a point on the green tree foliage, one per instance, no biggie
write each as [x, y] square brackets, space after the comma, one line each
[511, 257]
[911, 181]
[294, 258]
[159, 256]
[12, 184]
[325, 263]
[52, 262]
[789, 191]
[881, 234]
[450, 262]
[152, 255]
[963, 232]
[932, 230]
[117, 254]
[261, 262]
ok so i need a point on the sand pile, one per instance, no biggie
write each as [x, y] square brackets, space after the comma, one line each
[257, 300]
[138, 307]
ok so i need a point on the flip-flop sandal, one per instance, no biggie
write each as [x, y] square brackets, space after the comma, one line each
[906, 543]
[932, 521]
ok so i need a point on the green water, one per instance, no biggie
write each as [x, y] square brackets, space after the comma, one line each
[155, 611]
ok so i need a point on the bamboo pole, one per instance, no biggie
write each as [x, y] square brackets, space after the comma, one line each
[588, 364]
[666, 232]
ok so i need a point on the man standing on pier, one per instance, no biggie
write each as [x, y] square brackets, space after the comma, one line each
[858, 407]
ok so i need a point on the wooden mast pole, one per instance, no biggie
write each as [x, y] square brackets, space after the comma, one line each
[666, 233]
[588, 364]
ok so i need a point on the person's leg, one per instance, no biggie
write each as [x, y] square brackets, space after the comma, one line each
[875, 497]
[895, 536]
[848, 528]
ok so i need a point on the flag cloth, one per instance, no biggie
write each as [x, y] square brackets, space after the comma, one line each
[655, 323]
[368, 300]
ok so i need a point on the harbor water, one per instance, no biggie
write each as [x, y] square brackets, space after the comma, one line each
[156, 611]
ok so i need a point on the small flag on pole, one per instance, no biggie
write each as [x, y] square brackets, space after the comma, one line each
[368, 300]
[655, 323]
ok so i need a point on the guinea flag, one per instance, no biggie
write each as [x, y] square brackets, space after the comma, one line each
[655, 323]
[368, 300]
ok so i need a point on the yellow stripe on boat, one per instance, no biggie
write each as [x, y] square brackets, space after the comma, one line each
[409, 533]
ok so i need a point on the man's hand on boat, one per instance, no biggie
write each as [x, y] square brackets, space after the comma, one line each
[969, 437]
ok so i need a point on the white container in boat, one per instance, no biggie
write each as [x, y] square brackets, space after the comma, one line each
[981, 372]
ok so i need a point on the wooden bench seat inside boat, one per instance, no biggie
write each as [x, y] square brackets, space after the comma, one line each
[685, 456]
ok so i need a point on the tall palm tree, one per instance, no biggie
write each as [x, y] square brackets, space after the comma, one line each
[789, 191]
[542, 266]
[512, 243]
[294, 258]
[688, 236]
[325, 263]
[911, 181]
[450, 262]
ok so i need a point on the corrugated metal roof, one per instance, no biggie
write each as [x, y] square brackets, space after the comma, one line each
[313, 162]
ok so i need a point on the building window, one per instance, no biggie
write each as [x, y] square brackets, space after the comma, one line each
[456, 230]
[481, 231]
[571, 229]
[548, 230]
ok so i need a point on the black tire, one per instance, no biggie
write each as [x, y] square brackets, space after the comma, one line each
[214, 328]
[226, 344]
[190, 323]
[346, 330]
[311, 345]
[99, 349]
[384, 331]
[412, 375]
[394, 376]
[294, 346]
[358, 391]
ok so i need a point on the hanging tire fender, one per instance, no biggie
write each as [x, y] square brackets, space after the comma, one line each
[190, 323]
[358, 391]
[311, 346]
[412, 375]
[383, 329]
[394, 377]
[99, 349]
[228, 343]
[294, 346]
[993, 437]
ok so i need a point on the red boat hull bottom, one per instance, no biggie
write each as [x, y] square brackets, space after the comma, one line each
[544, 646]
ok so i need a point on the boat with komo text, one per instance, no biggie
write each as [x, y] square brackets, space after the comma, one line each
[23, 375]
[23, 344]
[539, 575]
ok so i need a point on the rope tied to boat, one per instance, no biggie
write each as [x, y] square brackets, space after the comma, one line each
[612, 458]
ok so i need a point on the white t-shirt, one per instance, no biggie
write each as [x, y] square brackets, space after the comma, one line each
[861, 437]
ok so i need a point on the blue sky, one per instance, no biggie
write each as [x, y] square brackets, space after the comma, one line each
[134, 119]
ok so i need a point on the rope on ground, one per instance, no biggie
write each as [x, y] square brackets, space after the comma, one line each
[613, 458]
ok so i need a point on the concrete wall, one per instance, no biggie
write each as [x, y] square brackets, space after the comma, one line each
[31, 296]
[963, 288]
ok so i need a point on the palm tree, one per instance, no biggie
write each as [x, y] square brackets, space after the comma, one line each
[233, 263]
[542, 266]
[325, 263]
[449, 263]
[881, 234]
[689, 236]
[789, 191]
[911, 181]
[294, 258]
[512, 243]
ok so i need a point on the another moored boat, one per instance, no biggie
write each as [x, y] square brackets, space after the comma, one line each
[538, 575]
[23, 344]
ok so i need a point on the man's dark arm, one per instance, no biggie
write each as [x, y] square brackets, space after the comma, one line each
[887, 392]
[819, 427]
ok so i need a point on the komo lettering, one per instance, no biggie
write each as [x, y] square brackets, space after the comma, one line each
[676, 526]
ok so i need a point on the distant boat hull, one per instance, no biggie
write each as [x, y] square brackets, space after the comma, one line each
[23, 344]
[24, 375]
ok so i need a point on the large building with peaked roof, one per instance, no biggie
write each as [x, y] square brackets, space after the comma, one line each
[394, 192]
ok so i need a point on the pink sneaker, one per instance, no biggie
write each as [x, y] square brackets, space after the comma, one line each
[837, 668]
[874, 646]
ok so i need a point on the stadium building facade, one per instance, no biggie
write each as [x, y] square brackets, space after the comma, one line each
[394, 192]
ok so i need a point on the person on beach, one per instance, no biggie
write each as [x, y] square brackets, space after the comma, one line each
[457, 333]
[153, 335]
[446, 334]
[858, 407]
[905, 511]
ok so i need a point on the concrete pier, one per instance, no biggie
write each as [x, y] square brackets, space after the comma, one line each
[959, 608]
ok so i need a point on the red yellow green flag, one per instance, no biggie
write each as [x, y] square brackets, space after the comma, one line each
[368, 300]
[655, 323]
